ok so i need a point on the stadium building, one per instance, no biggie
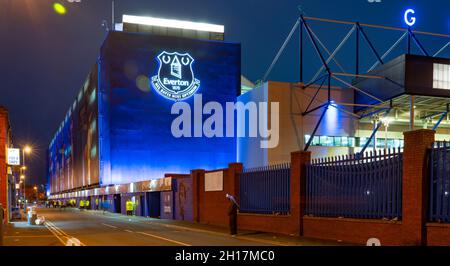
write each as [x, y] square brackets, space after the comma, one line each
[115, 143]
[116, 137]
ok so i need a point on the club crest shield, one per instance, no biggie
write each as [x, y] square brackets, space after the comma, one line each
[175, 79]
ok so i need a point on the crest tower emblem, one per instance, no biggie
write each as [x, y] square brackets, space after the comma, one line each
[175, 79]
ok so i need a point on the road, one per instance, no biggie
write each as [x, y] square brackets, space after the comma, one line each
[97, 229]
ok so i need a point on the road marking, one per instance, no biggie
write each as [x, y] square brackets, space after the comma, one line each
[55, 233]
[165, 239]
[37, 236]
[128, 231]
[223, 234]
[108, 225]
[61, 235]
[183, 228]
[73, 242]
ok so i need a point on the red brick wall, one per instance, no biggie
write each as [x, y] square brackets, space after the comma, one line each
[355, 231]
[3, 174]
[279, 224]
[414, 187]
[438, 234]
[211, 207]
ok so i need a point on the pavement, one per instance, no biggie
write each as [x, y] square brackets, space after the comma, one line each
[72, 227]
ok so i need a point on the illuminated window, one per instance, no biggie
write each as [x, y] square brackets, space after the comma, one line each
[344, 141]
[316, 141]
[307, 137]
[351, 142]
[441, 76]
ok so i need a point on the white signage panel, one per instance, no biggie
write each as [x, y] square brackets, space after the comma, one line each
[13, 157]
[214, 181]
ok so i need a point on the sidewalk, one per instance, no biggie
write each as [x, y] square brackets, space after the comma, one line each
[20, 233]
[267, 238]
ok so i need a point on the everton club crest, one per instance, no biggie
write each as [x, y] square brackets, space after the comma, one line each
[175, 79]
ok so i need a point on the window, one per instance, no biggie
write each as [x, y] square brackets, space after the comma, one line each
[345, 141]
[441, 76]
[351, 142]
[338, 142]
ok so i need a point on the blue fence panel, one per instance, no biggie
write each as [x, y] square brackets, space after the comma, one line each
[265, 190]
[440, 182]
[369, 186]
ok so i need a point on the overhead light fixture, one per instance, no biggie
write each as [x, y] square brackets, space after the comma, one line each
[172, 23]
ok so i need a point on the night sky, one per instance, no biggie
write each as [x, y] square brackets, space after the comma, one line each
[45, 57]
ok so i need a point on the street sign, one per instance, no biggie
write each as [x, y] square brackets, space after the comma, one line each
[13, 157]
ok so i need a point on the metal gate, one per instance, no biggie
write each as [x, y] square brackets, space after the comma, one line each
[367, 186]
[265, 190]
[440, 182]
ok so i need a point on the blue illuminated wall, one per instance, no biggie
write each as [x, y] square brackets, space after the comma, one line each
[135, 139]
[73, 152]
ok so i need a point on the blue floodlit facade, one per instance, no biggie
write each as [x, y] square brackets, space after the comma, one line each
[118, 130]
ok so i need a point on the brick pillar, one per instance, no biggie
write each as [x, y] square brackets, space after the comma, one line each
[3, 168]
[233, 170]
[415, 186]
[299, 160]
[197, 177]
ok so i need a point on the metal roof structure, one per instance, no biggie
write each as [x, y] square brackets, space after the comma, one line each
[331, 71]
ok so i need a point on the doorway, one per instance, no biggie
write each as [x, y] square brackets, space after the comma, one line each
[154, 204]
[117, 204]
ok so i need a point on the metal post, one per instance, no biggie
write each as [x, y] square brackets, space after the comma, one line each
[316, 47]
[444, 115]
[329, 89]
[409, 40]
[376, 126]
[411, 113]
[386, 136]
[441, 50]
[301, 52]
[280, 51]
[366, 38]
[113, 26]
[357, 52]
[24, 187]
[317, 127]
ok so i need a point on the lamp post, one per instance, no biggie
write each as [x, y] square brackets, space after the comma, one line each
[36, 193]
[386, 123]
[26, 149]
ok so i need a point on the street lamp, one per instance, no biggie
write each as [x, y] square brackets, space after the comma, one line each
[27, 149]
[36, 193]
